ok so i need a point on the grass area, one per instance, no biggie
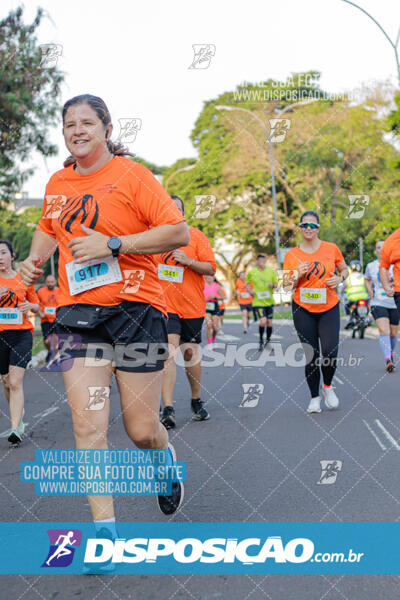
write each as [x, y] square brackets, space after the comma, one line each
[278, 314]
[38, 344]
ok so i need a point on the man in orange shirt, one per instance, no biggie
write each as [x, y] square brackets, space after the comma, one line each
[244, 299]
[48, 302]
[181, 273]
[391, 256]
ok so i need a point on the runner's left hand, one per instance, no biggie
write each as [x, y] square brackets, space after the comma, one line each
[93, 245]
[181, 257]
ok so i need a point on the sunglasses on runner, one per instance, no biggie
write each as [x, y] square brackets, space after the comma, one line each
[308, 225]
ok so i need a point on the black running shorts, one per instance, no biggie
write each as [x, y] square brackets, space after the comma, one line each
[134, 336]
[389, 313]
[247, 307]
[15, 349]
[263, 311]
[47, 328]
[188, 329]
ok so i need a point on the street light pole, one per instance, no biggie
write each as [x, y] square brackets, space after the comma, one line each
[271, 161]
[271, 164]
[277, 242]
[187, 168]
[393, 44]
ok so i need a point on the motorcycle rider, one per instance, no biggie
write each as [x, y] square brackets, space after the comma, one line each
[355, 288]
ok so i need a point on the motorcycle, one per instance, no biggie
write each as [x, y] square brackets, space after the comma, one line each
[360, 317]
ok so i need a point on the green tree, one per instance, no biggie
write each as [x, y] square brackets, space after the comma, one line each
[29, 95]
[333, 149]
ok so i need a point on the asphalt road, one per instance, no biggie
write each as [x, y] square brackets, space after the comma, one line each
[247, 463]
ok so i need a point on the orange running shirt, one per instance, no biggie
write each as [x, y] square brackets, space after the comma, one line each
[391, 256]
[16, 293]
[121, 198]
[240, 287]
[186, 299]
[221, 303]
[311, 292]
[48, 299]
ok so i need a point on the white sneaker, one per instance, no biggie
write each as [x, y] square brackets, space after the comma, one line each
[315, 405]
[331, 400]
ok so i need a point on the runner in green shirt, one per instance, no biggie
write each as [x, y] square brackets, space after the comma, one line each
[264, 280]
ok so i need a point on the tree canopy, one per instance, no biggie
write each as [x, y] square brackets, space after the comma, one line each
[29, 100]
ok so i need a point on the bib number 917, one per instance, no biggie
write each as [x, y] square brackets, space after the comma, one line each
[91, 271]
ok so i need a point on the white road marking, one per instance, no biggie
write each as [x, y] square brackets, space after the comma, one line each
[338, 380]
[374, 434]
[228, 338]
[274, 336]
[46, 412]
[387, 434]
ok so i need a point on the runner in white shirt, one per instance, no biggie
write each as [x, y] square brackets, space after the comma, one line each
[383, 309]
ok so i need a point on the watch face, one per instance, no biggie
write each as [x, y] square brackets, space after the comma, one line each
[114, 243]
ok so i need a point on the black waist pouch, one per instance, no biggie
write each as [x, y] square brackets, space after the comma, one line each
[84, 316]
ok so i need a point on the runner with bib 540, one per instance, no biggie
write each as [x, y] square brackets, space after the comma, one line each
[315, 306]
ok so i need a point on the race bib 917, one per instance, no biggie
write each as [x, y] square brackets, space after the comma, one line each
[92, 273]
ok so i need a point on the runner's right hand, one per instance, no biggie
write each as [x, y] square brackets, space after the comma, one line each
[303, 268]
[29, 270]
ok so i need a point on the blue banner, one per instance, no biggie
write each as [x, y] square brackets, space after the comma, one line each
[214, 548]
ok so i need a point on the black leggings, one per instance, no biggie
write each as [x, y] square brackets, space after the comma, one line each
[313, 329]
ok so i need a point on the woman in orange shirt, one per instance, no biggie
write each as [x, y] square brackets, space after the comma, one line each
[315, 305]
[108, 215]
[16, 299]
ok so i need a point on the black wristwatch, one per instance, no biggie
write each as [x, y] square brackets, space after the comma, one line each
[114, 243]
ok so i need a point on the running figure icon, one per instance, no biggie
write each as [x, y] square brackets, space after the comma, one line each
[62, 549]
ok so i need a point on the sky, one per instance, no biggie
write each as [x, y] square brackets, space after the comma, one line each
[136, 56]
